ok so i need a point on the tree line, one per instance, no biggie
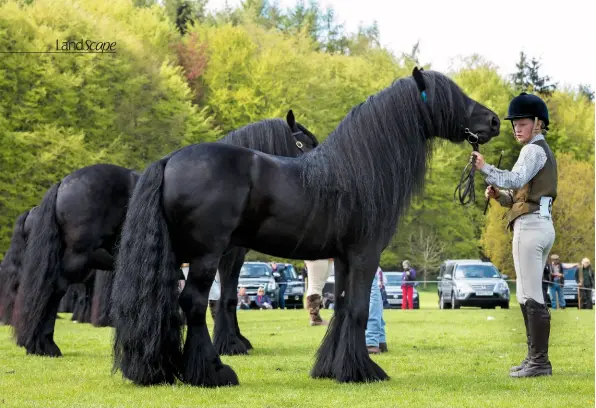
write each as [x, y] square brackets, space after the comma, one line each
[183, 75]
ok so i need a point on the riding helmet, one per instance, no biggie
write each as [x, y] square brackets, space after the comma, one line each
[527, 106]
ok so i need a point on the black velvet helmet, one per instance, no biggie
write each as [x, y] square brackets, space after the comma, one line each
[528, 106]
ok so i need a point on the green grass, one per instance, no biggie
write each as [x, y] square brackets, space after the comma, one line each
[451, 358]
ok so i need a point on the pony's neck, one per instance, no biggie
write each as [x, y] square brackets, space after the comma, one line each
[375, 160]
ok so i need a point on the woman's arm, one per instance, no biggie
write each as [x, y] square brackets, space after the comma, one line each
[531, 159]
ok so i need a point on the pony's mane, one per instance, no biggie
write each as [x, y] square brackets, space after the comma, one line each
[376, 159]
[271, 136]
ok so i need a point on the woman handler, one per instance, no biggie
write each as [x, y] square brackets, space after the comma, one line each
[529, 189]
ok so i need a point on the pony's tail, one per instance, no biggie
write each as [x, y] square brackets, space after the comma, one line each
[40, 274]
[101, 303]
[10, 268]
[148, 335]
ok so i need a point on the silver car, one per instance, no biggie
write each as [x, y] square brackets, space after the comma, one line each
[468, 282]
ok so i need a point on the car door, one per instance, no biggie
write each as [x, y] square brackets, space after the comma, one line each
[448, 288]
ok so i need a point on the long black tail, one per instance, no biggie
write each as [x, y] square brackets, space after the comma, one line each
[40, 274]
[10, 268]
[148, 335]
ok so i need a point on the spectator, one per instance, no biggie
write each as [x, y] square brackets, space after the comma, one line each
[585, 280]
[214, 294]
[280, 277]
[376, 341]
[407, 286]
[243, 300]
[558, 281]
[262, 300]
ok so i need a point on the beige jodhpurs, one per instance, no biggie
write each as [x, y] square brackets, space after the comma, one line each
[318, 272]
[533, 238]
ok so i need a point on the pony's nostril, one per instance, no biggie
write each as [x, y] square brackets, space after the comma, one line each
[495, 123]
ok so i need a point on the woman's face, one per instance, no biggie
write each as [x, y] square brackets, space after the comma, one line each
[522, 129]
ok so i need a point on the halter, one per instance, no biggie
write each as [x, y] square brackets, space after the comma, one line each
[465, 188]
[299, 144]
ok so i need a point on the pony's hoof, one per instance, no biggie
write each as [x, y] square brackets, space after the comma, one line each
[246, 342]
[44, 348]
[216, 376]
[230, 346]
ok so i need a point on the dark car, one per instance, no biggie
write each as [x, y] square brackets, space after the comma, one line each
[394, 292]
[254, 275]
[294, 294]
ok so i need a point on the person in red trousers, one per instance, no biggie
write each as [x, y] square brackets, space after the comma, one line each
[407, 286]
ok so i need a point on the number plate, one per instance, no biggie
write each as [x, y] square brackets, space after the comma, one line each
[569, 297]
[252, 298]
[484, 293]
[393, 301]
[286, 297]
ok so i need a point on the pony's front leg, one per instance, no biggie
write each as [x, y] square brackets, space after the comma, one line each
[325, 357]
[351, 361]
[201, 364]
[226, 334]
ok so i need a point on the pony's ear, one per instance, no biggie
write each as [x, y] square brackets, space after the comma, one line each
[290, 119]
[419, 79]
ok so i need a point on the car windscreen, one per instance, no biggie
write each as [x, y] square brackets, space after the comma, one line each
[476, 272]
[290, 272]
[255, 271]
[569, 273]
[394, 280]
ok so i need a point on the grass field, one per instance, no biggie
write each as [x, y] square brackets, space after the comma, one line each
[450, 358]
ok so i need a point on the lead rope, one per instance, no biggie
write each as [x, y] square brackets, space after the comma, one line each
[465, 189]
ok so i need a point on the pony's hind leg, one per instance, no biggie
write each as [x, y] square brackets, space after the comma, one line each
[226, 334]
[201, 364]
[44, 344]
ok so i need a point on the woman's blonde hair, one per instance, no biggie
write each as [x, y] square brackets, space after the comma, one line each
[539, 127]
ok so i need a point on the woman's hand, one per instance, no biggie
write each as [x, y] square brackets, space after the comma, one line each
[479, 160]
[492, 192]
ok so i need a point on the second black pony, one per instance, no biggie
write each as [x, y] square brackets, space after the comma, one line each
[80, 219]
[343, 200]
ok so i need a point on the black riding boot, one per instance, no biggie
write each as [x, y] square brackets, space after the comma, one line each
[539, 323]
[529, 340]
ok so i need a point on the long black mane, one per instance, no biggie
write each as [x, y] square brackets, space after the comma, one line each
[271, 136]
[377, 157]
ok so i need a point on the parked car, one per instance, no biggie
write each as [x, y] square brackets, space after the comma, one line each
[258, 274]
[467, 282]
[394, 292]
[294, 295]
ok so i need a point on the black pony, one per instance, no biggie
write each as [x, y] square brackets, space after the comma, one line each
[80, 222]
[12, 263]
[342, 201]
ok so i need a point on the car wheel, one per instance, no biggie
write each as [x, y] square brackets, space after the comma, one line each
[454, 303]
[505, 305]
[442, 302]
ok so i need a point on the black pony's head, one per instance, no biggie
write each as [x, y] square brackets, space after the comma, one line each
[454, 115]
[305, 140]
